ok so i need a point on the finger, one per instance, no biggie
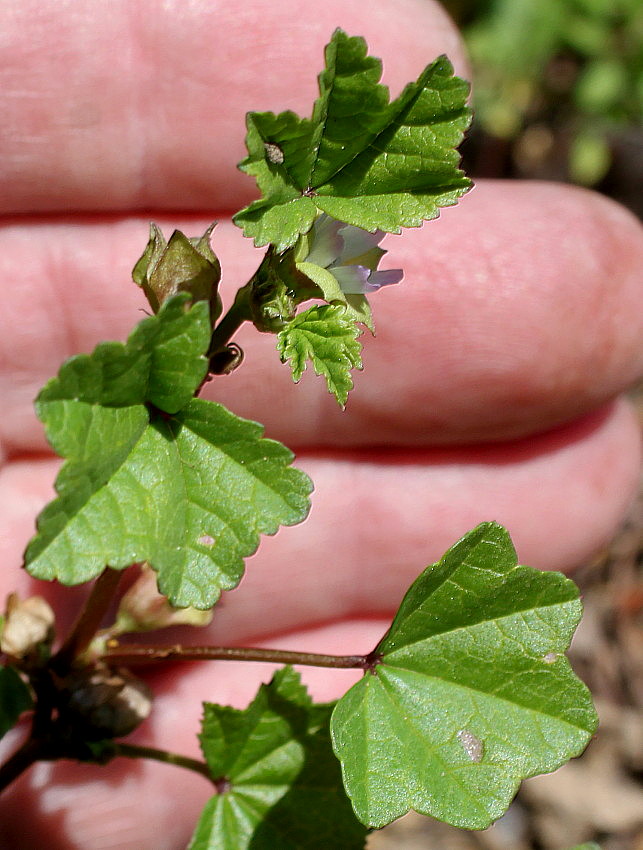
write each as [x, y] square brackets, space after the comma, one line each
[379, 517]
[132, 106]
[145, 804]
[520, 310]
[579, 481]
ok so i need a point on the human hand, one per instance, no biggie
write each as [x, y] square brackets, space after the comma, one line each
[488, 393]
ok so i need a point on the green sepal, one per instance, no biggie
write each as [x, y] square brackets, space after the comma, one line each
[275, 291]
[472, 692]
[328, 338]
[153, 474]
[356, 306]
[280, 782]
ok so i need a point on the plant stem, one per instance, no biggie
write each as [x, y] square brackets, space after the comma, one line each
[89, 619]
[238, 313]
[131, 654]
[29, 753]
[134, 751]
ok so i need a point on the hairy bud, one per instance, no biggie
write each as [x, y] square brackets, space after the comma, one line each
[144, 609]
[105, 703]
[28, 625]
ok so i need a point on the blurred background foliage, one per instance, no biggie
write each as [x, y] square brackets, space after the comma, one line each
[558, 91]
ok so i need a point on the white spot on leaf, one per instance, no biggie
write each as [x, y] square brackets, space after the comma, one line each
[550, 657]
[274, 153]
[471, 745]
[205, 540]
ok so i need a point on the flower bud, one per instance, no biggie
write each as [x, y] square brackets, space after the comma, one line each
[180, 265]
[104, 703]
[273, 299]
[28, 625]
[144, 609]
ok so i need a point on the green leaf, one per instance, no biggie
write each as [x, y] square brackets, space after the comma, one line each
[281, 783]
[14, 699]
[356, 306]
[473, 692]
[328, 338]
[163, 363]
[188, 490]
[361, 159]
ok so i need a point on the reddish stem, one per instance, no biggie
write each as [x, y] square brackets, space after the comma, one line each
[132, 654]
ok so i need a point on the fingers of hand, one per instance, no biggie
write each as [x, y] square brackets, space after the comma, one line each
[143, 105]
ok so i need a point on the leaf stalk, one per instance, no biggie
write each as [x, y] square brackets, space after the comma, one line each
[133, 654]
[238, 313]
[89, 619]
[135, 751]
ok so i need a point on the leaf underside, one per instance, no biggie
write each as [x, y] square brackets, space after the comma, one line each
[153, 474]
[473, 693]
[284, 783]
[360, 158]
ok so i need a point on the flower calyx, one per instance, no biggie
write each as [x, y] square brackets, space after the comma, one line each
[181, 264]
[27, 629]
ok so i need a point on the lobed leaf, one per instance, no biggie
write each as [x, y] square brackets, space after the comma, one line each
[163, 363]
[361, 159]
[326, 337]
[187, 487]
[281, 783]
[473, 692]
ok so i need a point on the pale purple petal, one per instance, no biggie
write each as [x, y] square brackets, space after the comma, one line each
[357, 242]
[351, 279]
[326, 243]
[370, 258]
[376, 280]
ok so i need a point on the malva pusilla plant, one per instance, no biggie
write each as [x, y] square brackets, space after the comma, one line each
[467, 693]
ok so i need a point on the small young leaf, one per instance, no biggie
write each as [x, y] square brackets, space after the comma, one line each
[361, 159]
[14, 699]
[280, 783]
[473, 692]
[325, 336]
[188, 492]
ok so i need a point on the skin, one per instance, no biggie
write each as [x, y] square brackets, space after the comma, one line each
[491, 391]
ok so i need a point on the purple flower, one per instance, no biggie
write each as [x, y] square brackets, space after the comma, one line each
[350, 254]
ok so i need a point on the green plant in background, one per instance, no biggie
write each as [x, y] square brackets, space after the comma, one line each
[563, 79]
[467, 693]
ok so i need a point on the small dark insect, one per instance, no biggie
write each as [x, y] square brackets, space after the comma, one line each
[274, 153]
